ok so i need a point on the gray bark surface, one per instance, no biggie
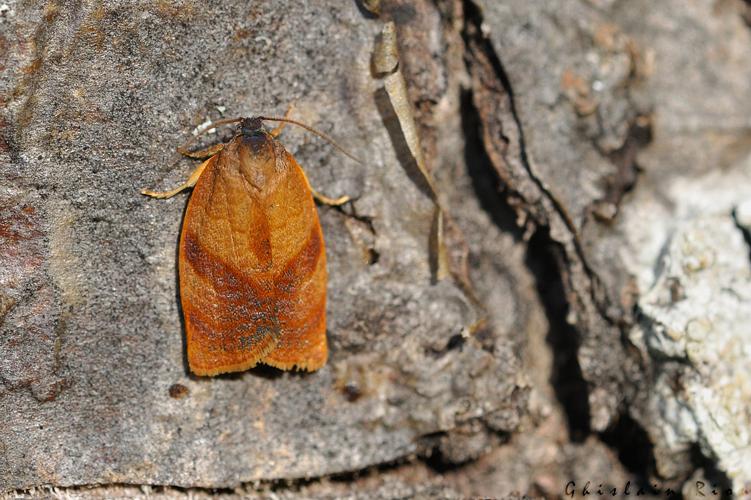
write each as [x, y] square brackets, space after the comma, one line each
[593, 159]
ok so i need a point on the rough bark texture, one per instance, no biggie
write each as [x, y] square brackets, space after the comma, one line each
[594, 159]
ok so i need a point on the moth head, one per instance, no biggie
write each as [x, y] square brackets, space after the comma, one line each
[252, 126]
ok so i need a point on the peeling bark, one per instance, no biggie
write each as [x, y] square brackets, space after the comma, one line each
[592, 165]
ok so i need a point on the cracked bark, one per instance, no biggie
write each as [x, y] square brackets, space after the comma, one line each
[537, 206]
[550, 134]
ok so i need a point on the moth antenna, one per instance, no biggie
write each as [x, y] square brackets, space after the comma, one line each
[314, 131]
[224, 121]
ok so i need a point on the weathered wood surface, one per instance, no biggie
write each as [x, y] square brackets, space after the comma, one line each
[572, 147]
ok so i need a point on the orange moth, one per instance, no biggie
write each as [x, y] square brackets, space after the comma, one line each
[252, 262]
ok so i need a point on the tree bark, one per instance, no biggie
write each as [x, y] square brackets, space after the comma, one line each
[593, 163]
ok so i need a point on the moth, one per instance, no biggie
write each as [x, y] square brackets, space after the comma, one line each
[252, 259]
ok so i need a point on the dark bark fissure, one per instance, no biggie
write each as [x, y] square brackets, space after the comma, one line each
[629, 439]
[548, 261]
[718, 483]
[744, 230]
[80, 490]
[487, 184]
[568, 382]
[440, 463]
[480, 50]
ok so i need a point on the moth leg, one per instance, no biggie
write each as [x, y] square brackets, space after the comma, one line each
[201, 154]
[187, 184]
[334, 202]
[278, 129]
